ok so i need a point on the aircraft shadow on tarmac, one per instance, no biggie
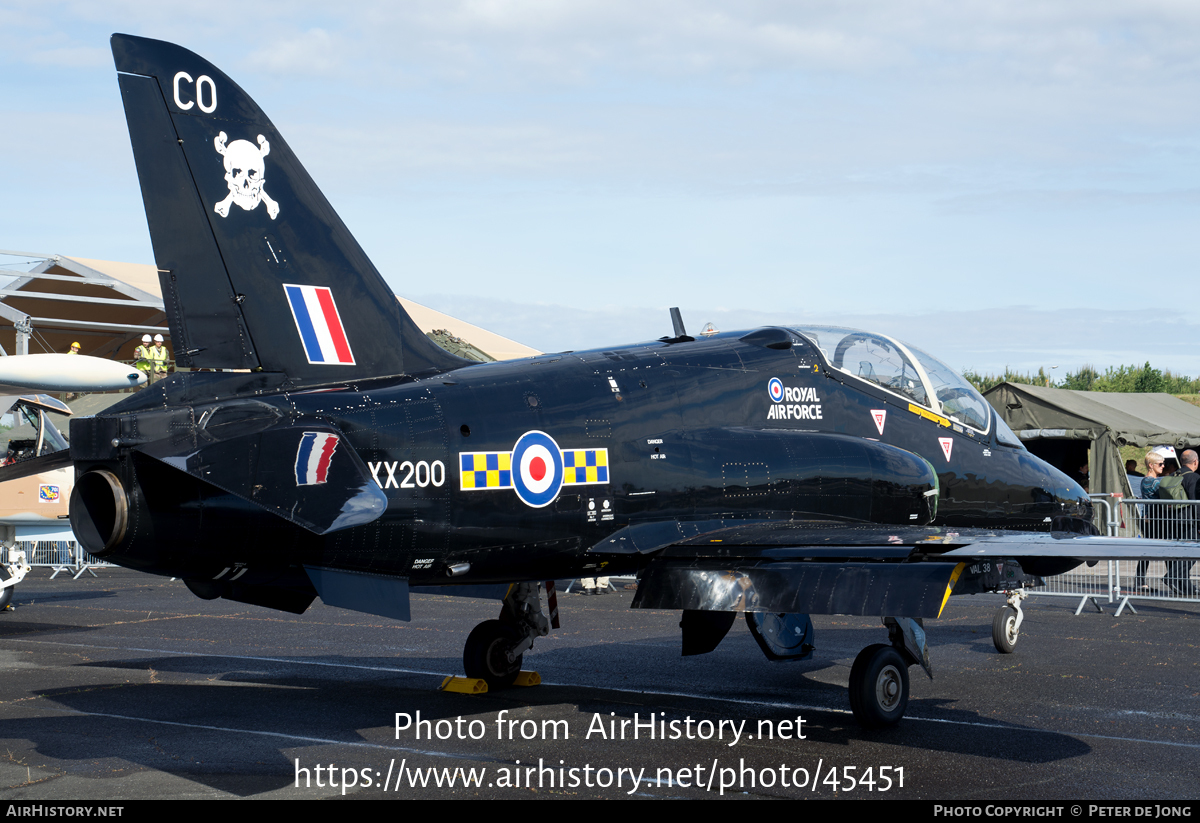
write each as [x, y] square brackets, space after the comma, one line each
[13, 626]
[62, 596]
[241, 751]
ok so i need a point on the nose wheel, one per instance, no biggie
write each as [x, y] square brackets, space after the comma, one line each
[878, 686]
[1006, 625]
[1005, 630]
[488, 653]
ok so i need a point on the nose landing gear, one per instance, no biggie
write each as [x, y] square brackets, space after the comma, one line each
[495, 649]
[1006, 625]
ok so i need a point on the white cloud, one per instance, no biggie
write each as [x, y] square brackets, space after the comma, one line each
[863, 154]
[313, 52]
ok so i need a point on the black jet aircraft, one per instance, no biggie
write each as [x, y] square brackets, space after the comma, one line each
[323, 446]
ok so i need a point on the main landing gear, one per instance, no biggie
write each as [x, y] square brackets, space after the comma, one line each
[879, 686]
[879, 676]
[1006, 625]
[495, 649]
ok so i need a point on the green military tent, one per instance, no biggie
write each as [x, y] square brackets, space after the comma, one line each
[1061, 426]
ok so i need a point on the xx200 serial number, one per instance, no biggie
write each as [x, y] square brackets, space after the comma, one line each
[412, 475]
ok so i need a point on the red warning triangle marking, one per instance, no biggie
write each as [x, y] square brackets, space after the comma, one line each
[947, 444]
[879, 415]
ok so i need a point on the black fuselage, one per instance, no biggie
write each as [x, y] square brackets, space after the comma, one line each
[687, 431]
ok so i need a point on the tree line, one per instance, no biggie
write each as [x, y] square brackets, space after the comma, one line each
[1114, 379]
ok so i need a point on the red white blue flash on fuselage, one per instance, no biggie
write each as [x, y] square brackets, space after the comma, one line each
[313, 457]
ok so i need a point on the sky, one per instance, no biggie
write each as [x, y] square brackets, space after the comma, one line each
[1003, 184]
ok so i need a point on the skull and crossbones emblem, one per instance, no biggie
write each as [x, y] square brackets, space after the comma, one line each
[244, 174]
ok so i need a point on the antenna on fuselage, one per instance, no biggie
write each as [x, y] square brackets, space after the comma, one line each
[681, 336]
[677, 322]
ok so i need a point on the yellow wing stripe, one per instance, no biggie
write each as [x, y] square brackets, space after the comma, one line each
[950, 585]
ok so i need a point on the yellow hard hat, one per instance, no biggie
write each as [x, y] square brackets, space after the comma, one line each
[75, 346]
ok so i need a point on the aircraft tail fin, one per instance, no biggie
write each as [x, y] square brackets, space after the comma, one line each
[257, 270]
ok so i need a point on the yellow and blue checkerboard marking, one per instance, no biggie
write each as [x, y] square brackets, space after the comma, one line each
[493, 470]
[583, 466]
[485, 470]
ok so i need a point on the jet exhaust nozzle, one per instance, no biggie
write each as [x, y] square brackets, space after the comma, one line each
[99, 511]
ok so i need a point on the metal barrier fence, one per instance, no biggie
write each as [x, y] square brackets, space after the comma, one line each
[1125, 581]
[60, 556]
[1106, 513]
[1159, 519]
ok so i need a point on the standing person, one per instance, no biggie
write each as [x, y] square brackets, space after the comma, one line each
[1191, 485]
[74, 350]
[1170, 487]
[594, 585]
[143, 361]
[1152, 519]
[1082, 477]
[158, 357]
[1190, 478]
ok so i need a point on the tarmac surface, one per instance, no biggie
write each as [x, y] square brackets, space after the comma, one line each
[126, 686]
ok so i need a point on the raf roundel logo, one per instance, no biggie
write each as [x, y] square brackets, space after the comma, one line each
[775, 388]
[537, 469]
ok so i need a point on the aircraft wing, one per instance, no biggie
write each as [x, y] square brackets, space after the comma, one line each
[1084, 549]
[862, 569]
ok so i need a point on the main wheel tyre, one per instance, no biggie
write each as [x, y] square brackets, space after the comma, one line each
[6, 596]
[486, 654]
[1004, 630]
[878, 686]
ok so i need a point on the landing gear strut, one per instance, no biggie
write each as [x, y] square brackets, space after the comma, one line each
[879, 676]
[1006, 625]
[495, 649]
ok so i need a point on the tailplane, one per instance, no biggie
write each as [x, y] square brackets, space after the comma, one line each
[257, 270]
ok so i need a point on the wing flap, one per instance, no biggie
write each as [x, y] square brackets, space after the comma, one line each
[908, 589]
[865, 569]
[779, 540]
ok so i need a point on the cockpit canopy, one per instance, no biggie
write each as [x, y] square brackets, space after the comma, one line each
[38, 435]
[905, 371]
